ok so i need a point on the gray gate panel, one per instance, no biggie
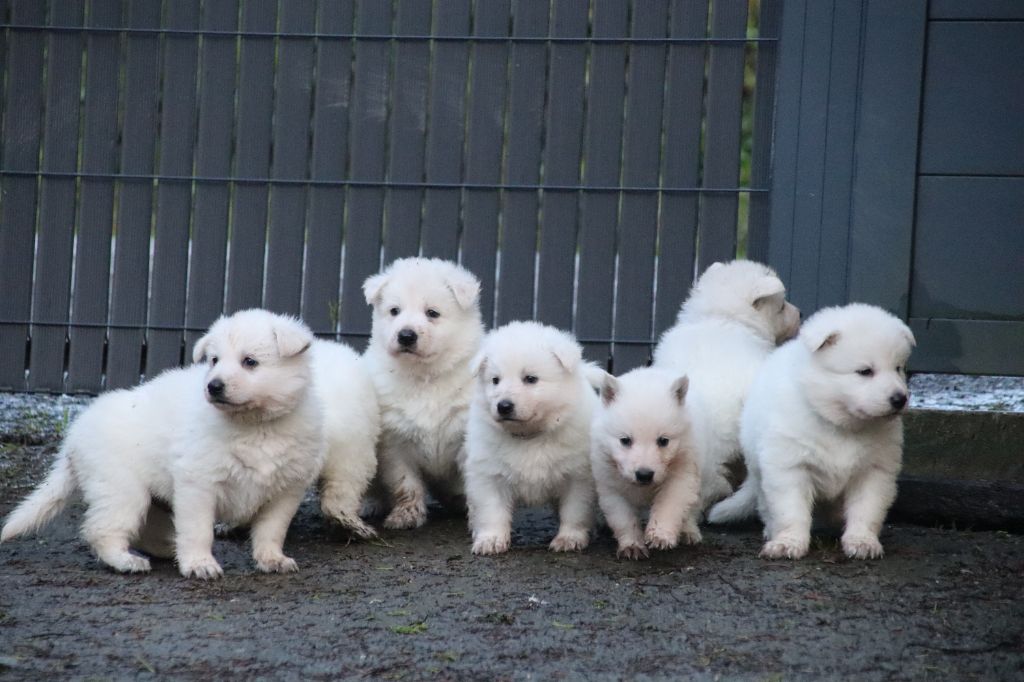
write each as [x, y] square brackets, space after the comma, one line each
[600, 210]
[562, 152]
[446, 123]
[684, 96]
[22, 109]
[967, 346]
[254, 98]
[525, 127]
[483, 148]
[367, 141]
[91, 287]
[320, 291]
[55, 232]
[174, 197]
[134, 206]
[406, 139]
[717, 239]
[292, 108]
[973, 99]
[975, 9]
[969, 249]
[205, 295]
[641, 161]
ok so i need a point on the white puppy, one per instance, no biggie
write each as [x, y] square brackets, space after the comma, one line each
[528, 437]
[643, 456]
[822, 423]
[426, 329]
[237, 440]
[734, 317]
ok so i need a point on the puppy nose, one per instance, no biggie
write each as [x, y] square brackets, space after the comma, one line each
[898, 400]
[215, 387]
[644, 476]
[407, 338]
[506, 407]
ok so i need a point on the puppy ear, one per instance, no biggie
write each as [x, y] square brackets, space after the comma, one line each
[909, 336]
[373, 286]
[478, 364]
[767, 288]
[292, 336]
[465, 288]
[679, 388]
[199, 350]
[715, 266]
[569, 355]
[820, 340]
[609, 389]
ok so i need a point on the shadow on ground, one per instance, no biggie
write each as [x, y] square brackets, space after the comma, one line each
[942, 603]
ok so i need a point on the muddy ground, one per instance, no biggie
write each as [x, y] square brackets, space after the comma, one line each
[942, 604]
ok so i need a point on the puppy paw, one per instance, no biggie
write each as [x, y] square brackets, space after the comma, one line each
[276, 563]
[491, 544]
[569, 541]
[202, 567]
[406, 517]
[659, 538]
[131, 563]
[691, 536]
[784, 548]
[632, 552]
[356, 527]
[862, 547]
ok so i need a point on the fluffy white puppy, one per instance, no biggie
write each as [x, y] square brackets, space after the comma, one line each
[822, 423]
[426, 329]
[237, 439]
[735, 316]
[643, 456]
[528, 437]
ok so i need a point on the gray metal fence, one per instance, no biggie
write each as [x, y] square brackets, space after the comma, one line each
[163, 162]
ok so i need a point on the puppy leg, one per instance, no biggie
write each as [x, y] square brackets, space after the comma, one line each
[342, 486]
[408, 492]
[269, 529]
[115, 513]
[789, 502]
[490, 514]
[575, 516]
[622, 518]
[673, 510]
[868, 498]
[194, 514]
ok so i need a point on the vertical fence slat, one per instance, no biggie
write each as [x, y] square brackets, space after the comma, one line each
[483, 148]
[677, 234]
[408, 131]
[55, 231]
[96, 205]
[369, 113]
[717, 239]
[134, 197]
[254, 102]
[761, 150]
[525, 122]
[174, 198]
[599, 210]
[639, 222]
[24, 66]
[320, 304]
[205, 294]
[562, 152]
[292, 109]
[446, 131]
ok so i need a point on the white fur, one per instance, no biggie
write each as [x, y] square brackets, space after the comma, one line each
[244, 457]
[643, 426]
[813, 429]
[538, 453]
[734, 317]
[424, 395]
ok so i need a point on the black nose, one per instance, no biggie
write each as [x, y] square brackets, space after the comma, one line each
[407, 338]
[898, 400]
[644, 476]
[506, 407]
[216, 388]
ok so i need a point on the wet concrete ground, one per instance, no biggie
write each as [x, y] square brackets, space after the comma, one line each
[942, 604]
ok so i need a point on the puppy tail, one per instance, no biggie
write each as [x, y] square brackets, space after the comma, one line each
[48, 500]
[741, 505]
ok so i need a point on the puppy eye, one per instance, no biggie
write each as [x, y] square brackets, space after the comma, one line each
[529, 379]
[433, 314]
[496, 380]
[394, 312]
[213, 360]
[662, 441]
[626, 441]
[866, 372]
[249, 362]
